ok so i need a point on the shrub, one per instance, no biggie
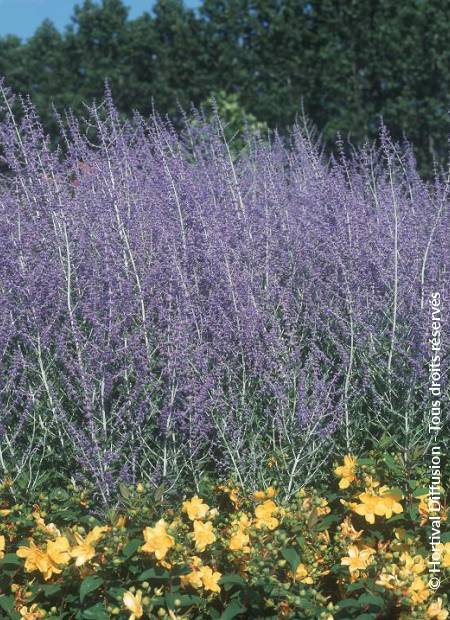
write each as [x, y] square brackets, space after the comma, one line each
[353, 550]
[166, 311]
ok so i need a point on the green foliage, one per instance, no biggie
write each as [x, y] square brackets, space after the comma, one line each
[236, 122]
[296, 566]
[348, 63]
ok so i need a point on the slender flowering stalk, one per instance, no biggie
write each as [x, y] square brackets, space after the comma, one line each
[169, 309]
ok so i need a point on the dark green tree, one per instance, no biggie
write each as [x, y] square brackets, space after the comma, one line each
[345, 62]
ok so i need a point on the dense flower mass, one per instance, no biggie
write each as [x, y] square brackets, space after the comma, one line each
[319, 558]
[169, 307]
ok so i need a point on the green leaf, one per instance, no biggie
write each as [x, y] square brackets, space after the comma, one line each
[232, 610]
[88, 585]
[394, 490]
[49, 589]
[177, 571]
[11, 559]
[313, 518]
[372, 599]
[231, 579]
[97, 612]
[396, 518]
[332, 496]
[186, 600]
[420, 491]
[152, 573]
[357, 585]
[124, 490]
[159, 493]
[391, 464]
[65, 515]
[413, 513]
[325, 523]
[59, 494]
[348, 603]
[385, 441]
[366, 461]
[7, 604]
[292, 557]
[303, 603]
[131, 548]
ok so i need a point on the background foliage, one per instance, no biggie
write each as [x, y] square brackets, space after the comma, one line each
[346, 62]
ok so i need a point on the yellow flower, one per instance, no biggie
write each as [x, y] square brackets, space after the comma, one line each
[323, 508]
[2, 547]
[358, 559]
[195, 508]
[436, 612]
[50, 528]
[348, 531]
[83, 551]
[347, 471]
[301, 574]
[134, 604]
[268, 494]
[32, 613]
[264, 517]
[370, 483]
[238, 541]
[58, 550]
[271, 462]
[243, 522]
[203, 535]
[140, 487]
[121, 521]
[35, 559]
[324, 537]
[445, 554]
[210, 579]
[157, 540]
[424, 509]
[400, 534]
[4, 512]
[418, 591]
[96, 533]
[193, 579]
[388, 503]
[232, 493]
[416, 564]
[368, 506]
[390, 581]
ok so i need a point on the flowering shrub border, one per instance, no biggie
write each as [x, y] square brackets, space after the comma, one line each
[168, 308]
[357, 549]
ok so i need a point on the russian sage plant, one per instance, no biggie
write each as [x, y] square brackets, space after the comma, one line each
[168, 310]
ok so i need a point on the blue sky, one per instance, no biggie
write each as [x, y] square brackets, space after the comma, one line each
[22, 17]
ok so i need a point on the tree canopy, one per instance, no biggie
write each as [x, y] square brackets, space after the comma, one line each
[348, 63]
